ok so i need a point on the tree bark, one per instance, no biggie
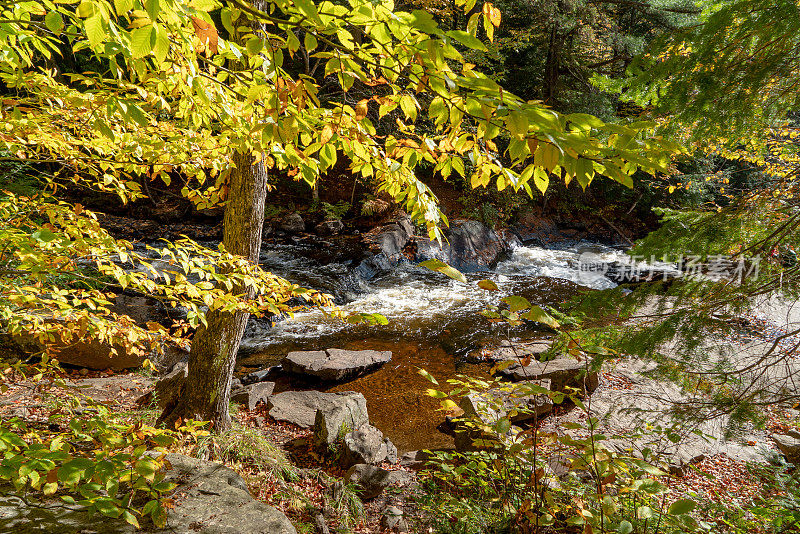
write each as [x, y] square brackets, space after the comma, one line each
[206, 391]
[552, 67]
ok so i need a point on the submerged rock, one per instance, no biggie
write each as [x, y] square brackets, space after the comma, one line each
[329, 227]
[515, 350]
[335, 364]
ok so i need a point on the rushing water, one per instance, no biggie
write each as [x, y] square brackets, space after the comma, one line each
[434, 322]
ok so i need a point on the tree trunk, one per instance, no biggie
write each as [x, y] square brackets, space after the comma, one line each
[206, 392]
[552, 67]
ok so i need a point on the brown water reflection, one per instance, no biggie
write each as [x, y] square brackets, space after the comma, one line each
[395, 394]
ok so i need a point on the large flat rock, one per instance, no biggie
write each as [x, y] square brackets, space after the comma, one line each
[335, 365]
[300, 408]
[209, 498]
[562, 373]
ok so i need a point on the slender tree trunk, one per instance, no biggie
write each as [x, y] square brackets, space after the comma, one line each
[552, 66]
[206, 392]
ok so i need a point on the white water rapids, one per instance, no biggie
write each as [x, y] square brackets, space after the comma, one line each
[419, 302]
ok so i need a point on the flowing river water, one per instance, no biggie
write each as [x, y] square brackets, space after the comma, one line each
[434, 324]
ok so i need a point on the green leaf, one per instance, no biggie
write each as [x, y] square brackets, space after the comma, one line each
[644, 512]
[683, 506]
[538, 315]
[95, 30]
[517, 303]
[441, 267]
[546, 156]
[488, 285]
[427, 376]
[625, 527]
[518, 124]
[310, 42]
[44, 235]
[467, 40]
[308, 8]
[161, 45]
[142, 41]
[503, 426]
[254, 45]
[123, 6]
[54, 22]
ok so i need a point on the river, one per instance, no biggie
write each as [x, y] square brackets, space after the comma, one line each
[434, 323]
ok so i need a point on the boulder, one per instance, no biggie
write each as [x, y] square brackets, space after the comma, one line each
[385, 246]
[212, 498]
[373, 480]
[789, 445]
[91, 353]
[329, 227]
[561, 372]
[348, 412]
[336, 409]
[391, 451]
[335, 365]
[364, 446]
[252, 394]
[469, 246]
[293, 223]
[392, 520]
[209, 498]
[496, 403]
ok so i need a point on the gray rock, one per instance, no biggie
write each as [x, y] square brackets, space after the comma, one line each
[253, 394]
[391, 451]
[371, 480]
[212, 498]
[385, 247]
[347, 411]
[364, 446]
[301, 407]
[490, 406]
[392, 520]
[335, 364]
[293, 223]
[468, 246]
[515, 350]
[209, 498]
[561, 372]
[329, 227]
[789, 445]
[53, 517]
[258, 376]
